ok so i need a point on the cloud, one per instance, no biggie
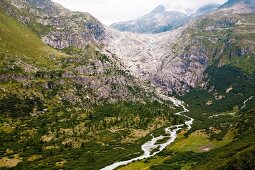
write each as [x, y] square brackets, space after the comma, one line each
[109, 11]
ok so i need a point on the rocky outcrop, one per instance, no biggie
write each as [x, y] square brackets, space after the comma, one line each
[176, 60]
[151, 58]
[77, 30]
[58, 26]
[173, 61]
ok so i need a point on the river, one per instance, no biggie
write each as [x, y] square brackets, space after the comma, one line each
[170, 132]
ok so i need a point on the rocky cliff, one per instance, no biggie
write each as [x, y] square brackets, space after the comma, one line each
[152, 58]
[57, 26]
[176, 60]
[70, 77]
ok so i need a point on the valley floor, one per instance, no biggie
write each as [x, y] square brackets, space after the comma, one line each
[191, 149]
[159, 143]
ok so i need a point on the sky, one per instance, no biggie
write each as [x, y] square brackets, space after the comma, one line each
[110, 11]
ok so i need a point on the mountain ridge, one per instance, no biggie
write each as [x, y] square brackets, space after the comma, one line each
[158, 20]
[161, 20]
[241, 6]
[181, 56]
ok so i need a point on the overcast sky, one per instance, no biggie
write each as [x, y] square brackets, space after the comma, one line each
[110, 11]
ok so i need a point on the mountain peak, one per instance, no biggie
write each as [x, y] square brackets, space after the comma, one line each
[231, 3]
[158, 20]
[205, 9]
[158, 9]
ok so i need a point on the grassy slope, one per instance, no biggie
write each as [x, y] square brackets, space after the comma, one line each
[240, 154]
[223, 38]
[17, 39]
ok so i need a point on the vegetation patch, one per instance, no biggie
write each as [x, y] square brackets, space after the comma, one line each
[199, 141]
[10, 162]
[144, 164]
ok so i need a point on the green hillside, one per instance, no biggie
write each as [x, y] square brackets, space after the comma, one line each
[18, 40]
[222, 136]
[225, 38]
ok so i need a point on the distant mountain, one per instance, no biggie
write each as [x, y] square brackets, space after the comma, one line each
[205, 10]
[240, 5]
[159, 20]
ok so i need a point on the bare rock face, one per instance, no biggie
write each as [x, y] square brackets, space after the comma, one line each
[151, 58]
[177, 60]
[58, 26]
[173, 61]
[76, 30]
[181, 73]
[148, 57]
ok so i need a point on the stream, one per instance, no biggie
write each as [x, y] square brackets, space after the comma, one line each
[170, 132]
[245, 102]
